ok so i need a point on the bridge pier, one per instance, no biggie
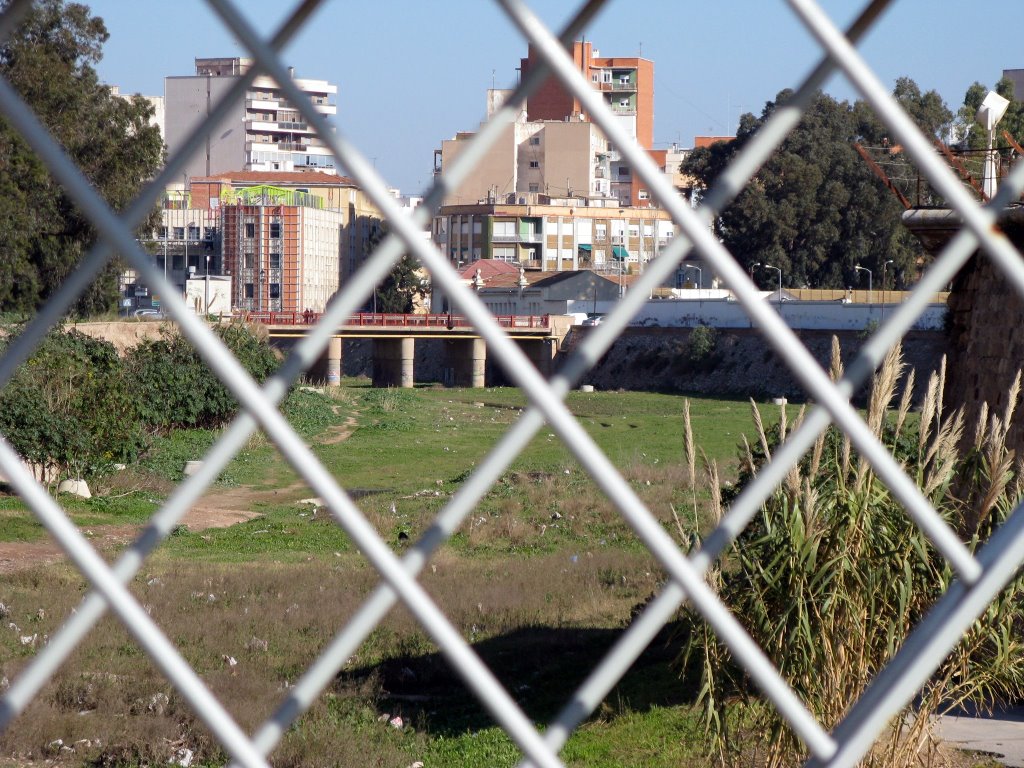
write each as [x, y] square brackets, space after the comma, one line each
[467, 359]
[393, 362]
[334, 362]
[541, 353]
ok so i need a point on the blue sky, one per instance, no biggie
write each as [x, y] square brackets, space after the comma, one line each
[411, 73]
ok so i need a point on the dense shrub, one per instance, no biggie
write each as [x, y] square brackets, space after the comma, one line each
[71, 406]
[702, 343]
[175, 387]
[76, 407]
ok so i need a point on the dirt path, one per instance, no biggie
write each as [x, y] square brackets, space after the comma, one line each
[218, 508]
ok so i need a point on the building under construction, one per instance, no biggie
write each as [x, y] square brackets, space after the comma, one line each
[281, 247]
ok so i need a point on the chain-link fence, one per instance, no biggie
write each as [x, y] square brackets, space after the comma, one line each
[980, 576]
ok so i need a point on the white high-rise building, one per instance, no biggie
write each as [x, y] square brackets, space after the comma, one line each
[263, 132]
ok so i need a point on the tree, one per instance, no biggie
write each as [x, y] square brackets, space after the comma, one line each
[815, 209]
[49, 60]
[404, 283]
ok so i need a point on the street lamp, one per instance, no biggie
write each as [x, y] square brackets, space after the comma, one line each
[989, 114]
[777, 269]
[884, 265]
[700, 276]
[753, 266]
[865, 269]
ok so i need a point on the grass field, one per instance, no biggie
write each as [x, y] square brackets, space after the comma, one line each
[541, 579]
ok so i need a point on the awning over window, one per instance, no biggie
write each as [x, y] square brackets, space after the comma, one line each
[618, 252]
[584, 247]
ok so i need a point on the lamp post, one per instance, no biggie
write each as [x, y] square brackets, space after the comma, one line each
[779, 270]
[865, 269]
[206, 297]
[753, 266]
[884, 265]
[991, 111]
[700, 277]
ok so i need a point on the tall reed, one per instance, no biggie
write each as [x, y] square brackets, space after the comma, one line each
[832, 576]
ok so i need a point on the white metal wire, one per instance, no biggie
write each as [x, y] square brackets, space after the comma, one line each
[981, 575]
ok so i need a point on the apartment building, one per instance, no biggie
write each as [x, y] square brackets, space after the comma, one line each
[626, 84]
[553, 148]
[555, 236]
[286, 240]
[553, 158]
[263, 132]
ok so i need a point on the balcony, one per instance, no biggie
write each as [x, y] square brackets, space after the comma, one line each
[529, 237]
[260, 104]
[615, 85]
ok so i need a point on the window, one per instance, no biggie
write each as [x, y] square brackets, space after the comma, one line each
[275, 229]
[504, 253]
[178, 261]
[193, 231]
[248, 291]
[624, 102]
[179, 233]
[250, 229]
[275, 261]
[600, 232]
[535, 188]
[623, 170]
[504, 229]
[534, 140]
[248, 260]
[275, 290]
[643, 194]
[161, 234]
[535, 164]
[210, 233]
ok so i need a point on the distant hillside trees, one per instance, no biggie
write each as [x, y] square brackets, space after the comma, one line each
[49, 60]
[815, 209]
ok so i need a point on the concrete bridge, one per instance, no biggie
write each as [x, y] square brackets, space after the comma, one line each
[394, 338]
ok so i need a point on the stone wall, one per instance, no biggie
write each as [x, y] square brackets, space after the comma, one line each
[742, 364]
[986, 333]
[658, 359]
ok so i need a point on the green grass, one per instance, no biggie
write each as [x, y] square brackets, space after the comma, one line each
[540, 578]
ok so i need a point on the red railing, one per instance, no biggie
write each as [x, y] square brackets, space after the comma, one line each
[390, 320]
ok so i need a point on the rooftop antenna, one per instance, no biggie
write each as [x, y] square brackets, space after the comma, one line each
[492, 79]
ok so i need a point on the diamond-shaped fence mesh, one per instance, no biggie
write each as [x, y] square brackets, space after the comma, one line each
[980, 576]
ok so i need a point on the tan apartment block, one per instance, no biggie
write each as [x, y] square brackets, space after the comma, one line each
[562, 235]
[553, 158]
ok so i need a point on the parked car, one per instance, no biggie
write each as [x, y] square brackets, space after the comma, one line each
[594, 318]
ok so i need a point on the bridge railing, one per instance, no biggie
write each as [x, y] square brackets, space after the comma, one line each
[394, 320]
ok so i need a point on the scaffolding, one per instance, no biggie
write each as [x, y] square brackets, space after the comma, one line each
[262, 251]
